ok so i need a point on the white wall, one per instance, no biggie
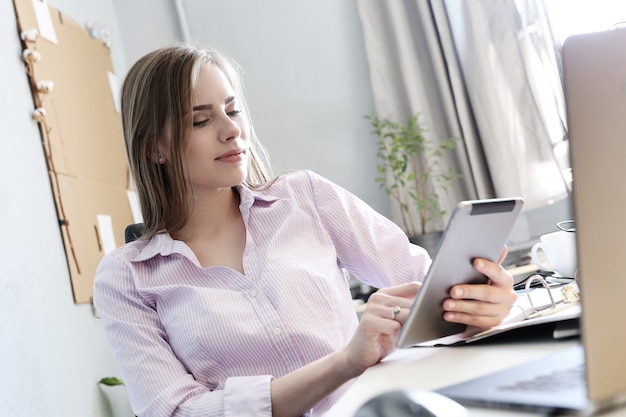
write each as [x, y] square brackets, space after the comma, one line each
[306, 74]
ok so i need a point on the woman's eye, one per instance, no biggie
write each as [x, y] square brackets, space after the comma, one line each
[207, 120]
[200, 122]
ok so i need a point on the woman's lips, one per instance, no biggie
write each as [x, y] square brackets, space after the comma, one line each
[236, 155]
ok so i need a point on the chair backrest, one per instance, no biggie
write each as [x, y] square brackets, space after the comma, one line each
[133, 232]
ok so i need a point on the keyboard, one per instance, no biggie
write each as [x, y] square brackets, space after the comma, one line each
[556, 380]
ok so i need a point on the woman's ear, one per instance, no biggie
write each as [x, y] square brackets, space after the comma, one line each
[158, 156]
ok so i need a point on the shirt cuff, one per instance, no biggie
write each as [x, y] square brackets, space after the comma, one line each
[248, 396]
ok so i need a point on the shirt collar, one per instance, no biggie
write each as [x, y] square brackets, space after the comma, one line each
[249, 196]
[159, 244]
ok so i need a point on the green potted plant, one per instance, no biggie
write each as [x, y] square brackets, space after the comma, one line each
[116, 396]
[410, 172]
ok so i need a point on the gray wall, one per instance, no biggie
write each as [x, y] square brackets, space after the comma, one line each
[305, 71]
[52, 352]
[308, 87]
[307, 80]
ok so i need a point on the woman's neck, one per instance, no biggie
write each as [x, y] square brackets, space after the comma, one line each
[211, 216]
[215, 231]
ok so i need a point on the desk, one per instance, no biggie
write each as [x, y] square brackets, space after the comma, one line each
[433, 368]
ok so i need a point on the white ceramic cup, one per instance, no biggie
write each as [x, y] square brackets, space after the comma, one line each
[556, 252]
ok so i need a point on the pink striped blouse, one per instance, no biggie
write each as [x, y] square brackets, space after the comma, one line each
[193, 341]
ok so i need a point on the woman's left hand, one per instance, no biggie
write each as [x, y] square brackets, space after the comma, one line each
[482, 305]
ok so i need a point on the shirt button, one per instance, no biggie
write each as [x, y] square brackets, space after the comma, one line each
[253, 293]
[276, 331]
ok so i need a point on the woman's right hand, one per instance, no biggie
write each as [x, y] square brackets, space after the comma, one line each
[380, 324]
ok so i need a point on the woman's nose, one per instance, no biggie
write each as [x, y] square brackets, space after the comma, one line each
[229, 129]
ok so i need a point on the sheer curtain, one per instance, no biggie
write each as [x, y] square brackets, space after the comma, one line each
[486, 71]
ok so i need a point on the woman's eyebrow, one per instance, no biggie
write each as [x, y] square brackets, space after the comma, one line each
[202, 107]
[210, 106]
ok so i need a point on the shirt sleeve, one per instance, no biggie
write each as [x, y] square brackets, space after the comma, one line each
[255, 390]
[158, 384]
[369, 245]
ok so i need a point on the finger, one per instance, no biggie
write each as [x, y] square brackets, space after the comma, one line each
[402, 295]
[475, 313]
[505, 251]
[498, 291]
[380, 321]
[483, 322]
[397, 312]
[476, 291]
[497, 275]
[408, 289]
[484, 292]
[476, 308]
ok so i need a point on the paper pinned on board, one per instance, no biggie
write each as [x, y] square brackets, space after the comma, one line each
[115, 90]
[105, 232]
[44, 20]
[133, 200]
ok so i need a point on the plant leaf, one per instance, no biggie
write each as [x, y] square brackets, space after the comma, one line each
[111, 381]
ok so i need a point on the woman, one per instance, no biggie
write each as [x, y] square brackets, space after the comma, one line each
[234, 301]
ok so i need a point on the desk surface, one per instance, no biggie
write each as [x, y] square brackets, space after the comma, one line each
[434, 368]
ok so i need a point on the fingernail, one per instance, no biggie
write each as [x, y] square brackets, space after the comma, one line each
[457, 293]
[480, 264]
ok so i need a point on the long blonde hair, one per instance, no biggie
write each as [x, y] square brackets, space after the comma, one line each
[159, 89]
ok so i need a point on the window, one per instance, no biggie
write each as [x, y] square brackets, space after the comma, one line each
[570, 17]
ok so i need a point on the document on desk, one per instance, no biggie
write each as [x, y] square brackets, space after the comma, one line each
[533, 308]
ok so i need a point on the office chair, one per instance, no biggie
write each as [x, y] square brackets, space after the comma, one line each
[133, 232]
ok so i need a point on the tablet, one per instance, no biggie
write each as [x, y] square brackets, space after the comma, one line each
[476, 229]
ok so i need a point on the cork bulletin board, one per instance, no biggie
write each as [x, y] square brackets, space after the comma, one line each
[74, 95]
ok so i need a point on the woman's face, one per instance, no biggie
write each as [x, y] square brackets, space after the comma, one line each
[217, 153]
